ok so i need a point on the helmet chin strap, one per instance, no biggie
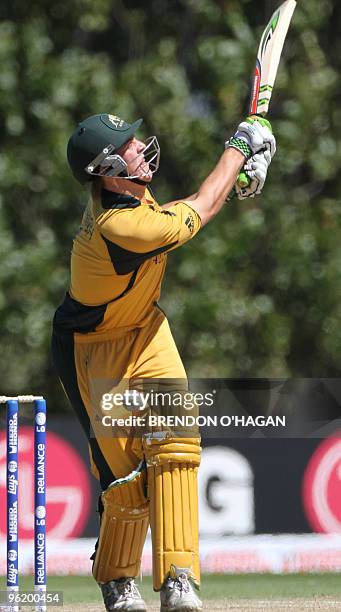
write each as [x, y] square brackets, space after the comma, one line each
[136, 180]
[140, 182]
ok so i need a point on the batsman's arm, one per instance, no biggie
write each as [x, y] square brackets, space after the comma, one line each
[213, 192]
[252, 136]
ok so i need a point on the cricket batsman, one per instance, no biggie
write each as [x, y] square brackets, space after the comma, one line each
[109, 327]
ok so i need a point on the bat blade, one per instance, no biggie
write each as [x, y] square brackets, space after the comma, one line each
[268, 58]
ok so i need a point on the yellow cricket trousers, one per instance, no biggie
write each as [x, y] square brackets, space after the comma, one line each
[88, 361]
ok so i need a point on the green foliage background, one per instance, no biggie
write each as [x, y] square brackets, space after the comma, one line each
[257, 293]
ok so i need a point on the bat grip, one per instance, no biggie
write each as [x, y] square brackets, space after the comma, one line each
[243, 180]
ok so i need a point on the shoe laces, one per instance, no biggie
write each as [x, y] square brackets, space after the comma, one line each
[119, 588]
[127, 587]
[180, 583]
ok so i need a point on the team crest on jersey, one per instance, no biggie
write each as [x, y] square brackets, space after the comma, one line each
[116, 121]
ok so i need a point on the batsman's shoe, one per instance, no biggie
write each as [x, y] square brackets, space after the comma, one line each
[177, 593]
[122, 595]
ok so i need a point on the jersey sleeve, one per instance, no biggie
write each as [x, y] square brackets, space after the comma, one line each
[146, 228]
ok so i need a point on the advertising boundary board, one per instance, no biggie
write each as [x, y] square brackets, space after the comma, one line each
[310, 553]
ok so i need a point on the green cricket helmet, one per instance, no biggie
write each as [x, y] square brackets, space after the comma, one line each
[93, 145]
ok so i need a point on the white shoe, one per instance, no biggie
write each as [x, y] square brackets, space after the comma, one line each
[122, 595]
[177, 593]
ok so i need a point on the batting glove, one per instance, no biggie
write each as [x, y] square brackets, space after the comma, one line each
[256, 169]
[252, 136]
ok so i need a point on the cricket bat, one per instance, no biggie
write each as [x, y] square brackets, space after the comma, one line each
[268, 58]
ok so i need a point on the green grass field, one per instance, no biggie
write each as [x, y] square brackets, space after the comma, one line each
[82, 589]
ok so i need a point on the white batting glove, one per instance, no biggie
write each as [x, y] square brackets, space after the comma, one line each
[257, 135]
[252, 136]
[256, 169]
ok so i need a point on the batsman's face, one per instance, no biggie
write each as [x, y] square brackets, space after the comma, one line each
[132, 153]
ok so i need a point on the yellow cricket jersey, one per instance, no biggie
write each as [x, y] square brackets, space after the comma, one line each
[118, 261]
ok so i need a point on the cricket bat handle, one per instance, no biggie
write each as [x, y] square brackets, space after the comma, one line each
[243, 180]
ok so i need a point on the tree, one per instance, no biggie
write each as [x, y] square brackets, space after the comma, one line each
[257, 293]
